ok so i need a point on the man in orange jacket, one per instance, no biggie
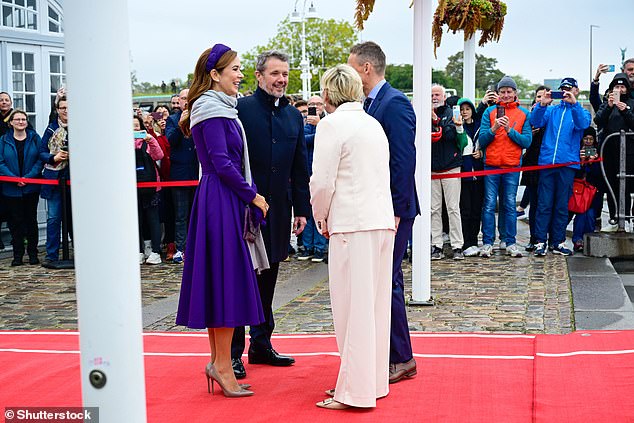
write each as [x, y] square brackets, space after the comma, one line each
[504, 132]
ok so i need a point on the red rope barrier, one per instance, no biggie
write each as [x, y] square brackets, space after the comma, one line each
[507, 170]
[194, 183]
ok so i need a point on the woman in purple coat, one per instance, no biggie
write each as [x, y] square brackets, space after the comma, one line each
[219, 289]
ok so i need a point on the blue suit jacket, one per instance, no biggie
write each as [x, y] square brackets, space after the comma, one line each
[277, 154]
[396, 115]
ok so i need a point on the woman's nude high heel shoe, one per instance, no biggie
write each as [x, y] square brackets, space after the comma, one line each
[212, 375]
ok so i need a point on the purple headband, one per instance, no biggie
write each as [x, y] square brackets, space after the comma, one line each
[215, 54]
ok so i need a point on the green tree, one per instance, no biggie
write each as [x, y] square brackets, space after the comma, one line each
[525, 88]
[487, 73]
[328, 43]
[400, 77]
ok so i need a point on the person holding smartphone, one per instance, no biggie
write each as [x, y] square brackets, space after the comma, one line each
[505, 131]
[563, 125]
[616, 114]
[313, 242]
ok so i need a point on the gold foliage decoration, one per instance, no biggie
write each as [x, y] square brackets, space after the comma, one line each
[362, 12]
[469, 16]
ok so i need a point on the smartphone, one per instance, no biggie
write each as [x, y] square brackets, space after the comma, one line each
[140, 135]
[617, 95]
[456, 112]
[557, 95]
[611, 68]
[312, 111]
[501, 112]
[589, 152]
[157, 115]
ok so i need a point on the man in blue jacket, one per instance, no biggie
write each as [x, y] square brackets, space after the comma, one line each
[396, 115]
[277, 154]
[184, 167]
[564, 125]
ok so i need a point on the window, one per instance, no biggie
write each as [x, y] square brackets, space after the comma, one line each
[55, 23]
[58, 75]
[20, 14]
[23, 78]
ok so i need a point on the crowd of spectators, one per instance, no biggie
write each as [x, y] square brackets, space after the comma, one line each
[502, 136]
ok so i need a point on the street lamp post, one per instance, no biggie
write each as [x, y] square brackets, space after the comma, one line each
[591, 69]
[304, 64]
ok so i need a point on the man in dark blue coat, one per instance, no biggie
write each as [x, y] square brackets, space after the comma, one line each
[277, 154]
[396, 115]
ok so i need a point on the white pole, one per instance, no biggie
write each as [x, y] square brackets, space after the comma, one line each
[468, 71]
[104, 209]
[305, 64]
[421, 262]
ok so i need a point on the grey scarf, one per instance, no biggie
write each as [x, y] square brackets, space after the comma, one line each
[215, 104]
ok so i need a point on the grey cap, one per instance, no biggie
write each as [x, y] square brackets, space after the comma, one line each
[507, 81]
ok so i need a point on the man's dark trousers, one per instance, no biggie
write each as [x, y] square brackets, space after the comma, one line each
[400, 344]
[260, 334]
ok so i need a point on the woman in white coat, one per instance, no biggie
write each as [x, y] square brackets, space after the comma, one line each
[352, 206]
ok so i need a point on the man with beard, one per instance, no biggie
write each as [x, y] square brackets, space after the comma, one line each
[277, 154]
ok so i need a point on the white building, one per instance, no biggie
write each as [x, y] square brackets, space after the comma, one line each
[32, 55]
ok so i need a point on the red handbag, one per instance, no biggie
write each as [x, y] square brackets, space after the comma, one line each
[582, 195]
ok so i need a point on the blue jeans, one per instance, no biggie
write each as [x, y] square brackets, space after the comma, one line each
[493, 184]
[553, 193]
[53, 224]
[183, 199]
[312, 239]
[583, 224]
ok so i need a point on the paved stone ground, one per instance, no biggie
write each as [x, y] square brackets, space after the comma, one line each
[500, 294]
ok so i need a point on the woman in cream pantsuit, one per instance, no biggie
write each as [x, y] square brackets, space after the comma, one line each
[352, 205]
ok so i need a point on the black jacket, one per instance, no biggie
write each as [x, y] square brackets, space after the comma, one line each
[445, 154]
[278, 158]
[612, 120]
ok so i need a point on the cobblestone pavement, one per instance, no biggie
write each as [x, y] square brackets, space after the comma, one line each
[499, 294]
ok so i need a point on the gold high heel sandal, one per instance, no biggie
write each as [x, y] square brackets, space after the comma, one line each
[212, 375]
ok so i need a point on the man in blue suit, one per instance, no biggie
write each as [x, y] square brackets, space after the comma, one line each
[396, 115]
[277, 154]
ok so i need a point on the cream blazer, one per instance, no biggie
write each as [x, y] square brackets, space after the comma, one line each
[350, 185]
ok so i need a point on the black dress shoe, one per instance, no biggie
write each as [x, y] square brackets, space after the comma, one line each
[270, 357]
[17, 262]
[238, 368]
[34, 260]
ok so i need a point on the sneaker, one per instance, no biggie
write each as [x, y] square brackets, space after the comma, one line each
[318, 257]
[171, 250]
[562, 250]
[154, 258]
[457, 254]
[178, 257]
[437, 254]
[540, 249]
[529, 247]
[610, 228]
[141, 258]
[305, 255]
[520, 214]
[486, 250]
[578, 246]
[513, 251]
[471, 251]
[148, 248]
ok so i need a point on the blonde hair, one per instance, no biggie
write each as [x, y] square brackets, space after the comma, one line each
[342, 84]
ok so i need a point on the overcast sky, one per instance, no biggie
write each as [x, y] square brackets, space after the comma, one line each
[541, 38]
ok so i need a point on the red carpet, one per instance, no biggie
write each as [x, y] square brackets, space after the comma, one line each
[581, 377]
